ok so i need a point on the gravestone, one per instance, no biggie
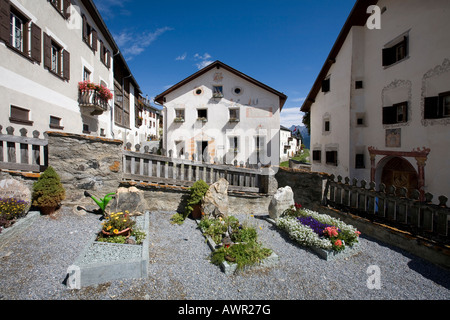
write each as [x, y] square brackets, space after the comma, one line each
[282, 200]
[129, 199]
[215, 201]
[10, 188]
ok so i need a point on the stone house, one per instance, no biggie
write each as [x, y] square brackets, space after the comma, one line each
[221, 115]
[46, 49]
[380, 106]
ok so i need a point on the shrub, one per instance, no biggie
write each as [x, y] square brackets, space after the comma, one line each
[242, 254]
[48, 191]
[197, 192]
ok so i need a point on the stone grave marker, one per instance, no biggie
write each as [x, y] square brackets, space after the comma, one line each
[10, 188]
[283, 199]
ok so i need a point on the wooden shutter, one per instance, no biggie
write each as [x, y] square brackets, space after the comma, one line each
[326, 85]
[5, 20]
[431, 108]
[66, 65]
[108, 59]
[47, 51]
[388, 56]
[66, 13]
[94, 45]
[85, 29]
[389, 115]
[36, 45]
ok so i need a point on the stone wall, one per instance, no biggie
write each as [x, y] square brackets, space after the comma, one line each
[85, 163]
[307, 186]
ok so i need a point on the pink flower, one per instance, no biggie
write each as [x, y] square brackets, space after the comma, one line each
[331, 231]
[338, 243]
[358, 233]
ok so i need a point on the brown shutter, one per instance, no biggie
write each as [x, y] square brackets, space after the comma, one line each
[102, 52]
[4, 20]
[36, 43]
[67, 4]
[47, 51]
[431, 108]
[85, 31]
[66, 65]
[94, 45]
[108, 59]
[389, 115]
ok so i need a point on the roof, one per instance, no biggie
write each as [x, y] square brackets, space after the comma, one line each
[284, 128]
[218, 64]
[357, 17]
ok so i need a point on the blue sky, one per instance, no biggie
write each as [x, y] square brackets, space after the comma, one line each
[281, 43]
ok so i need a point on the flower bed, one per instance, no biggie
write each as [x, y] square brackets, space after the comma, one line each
[235, 246]
[329, 237]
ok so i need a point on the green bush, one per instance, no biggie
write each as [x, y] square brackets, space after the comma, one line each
[48, 191]
[243, 254]
[197, 192]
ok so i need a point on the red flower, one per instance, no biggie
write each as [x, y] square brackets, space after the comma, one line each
[338, 243]
[298, 205]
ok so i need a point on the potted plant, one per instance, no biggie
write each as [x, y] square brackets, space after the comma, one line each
[197, 192]
[118, 224]
[48, 192]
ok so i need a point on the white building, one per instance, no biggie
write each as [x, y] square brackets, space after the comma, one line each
[46, 49]
[220, 114]
[289, 145]
[380, 107]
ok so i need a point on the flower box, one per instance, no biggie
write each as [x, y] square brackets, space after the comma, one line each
[321, 233]
[101, 262]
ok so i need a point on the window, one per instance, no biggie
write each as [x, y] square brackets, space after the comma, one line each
[398, 113]
[105, 55]
[20, 116]
[396, 52]
[179, 115]
[218, 91]
[317, 155]
[89, 34]
[234, 115]
[19, 33]
[56, 58]
[360, 121]
[55, 123]
[326, 85]
[437, 107]
[237, 91]
[86, 128]
[198, 91]
[234, 144]
[358, 84]
[359, 161]
[62, 6]
[202, 114]
[327, 125]
[331, 158]
[86, 75]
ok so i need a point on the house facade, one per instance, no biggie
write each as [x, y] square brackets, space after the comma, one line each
[224, 116]
[52, 55]
[289, 145]
[380, 107]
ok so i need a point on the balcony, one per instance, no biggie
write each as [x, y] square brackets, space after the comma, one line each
[93, 97]
[93, 100]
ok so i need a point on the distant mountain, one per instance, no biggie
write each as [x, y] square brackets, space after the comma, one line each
[305, 135]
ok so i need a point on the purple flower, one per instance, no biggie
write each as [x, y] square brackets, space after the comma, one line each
[317, 226]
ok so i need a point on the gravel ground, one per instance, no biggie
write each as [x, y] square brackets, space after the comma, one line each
[34, 266]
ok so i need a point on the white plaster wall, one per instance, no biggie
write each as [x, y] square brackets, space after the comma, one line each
[258, 109]
[30, 86]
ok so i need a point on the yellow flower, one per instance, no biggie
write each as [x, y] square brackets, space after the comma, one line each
[116, 231]
[109, 228]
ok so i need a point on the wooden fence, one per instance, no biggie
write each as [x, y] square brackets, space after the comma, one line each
[22, 153]
[151, 168]
[390, 206]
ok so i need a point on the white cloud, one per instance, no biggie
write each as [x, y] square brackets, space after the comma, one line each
[109, 8]
[204, 60]
[298, 99]
[182, 57]
[135, 44]
[291, 116]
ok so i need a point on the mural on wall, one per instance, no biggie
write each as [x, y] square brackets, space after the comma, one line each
[394, 138]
